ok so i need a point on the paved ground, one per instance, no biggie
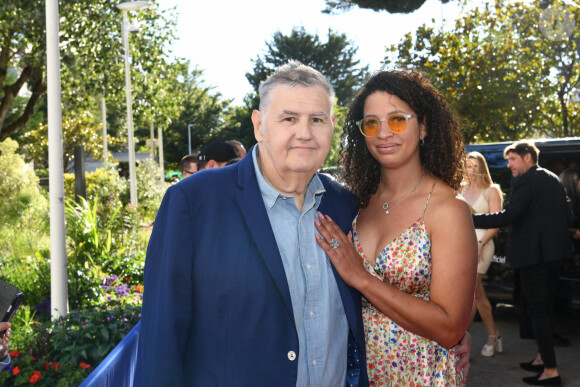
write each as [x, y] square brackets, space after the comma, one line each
[503, 369]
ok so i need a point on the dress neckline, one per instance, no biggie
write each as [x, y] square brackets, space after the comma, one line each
[419, 221]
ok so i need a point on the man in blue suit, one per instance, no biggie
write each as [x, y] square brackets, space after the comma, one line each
[237, 291]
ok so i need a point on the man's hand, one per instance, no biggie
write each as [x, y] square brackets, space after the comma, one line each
[463, 350]
[4, 339]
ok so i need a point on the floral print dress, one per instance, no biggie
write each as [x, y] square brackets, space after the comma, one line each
[395, 356]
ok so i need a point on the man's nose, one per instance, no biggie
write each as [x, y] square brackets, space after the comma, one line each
[304, 131]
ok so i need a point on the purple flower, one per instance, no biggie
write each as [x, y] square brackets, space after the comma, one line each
[122, 290]
[43, 307]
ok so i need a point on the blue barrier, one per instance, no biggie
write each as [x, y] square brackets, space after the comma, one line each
[122, 367]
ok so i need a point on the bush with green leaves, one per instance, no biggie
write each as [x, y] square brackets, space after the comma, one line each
[104, 183]
[23, 207]
[64, 352]
[89, 335]
[24, 226]
[150, 189]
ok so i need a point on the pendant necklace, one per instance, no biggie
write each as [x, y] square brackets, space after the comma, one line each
[388, 207]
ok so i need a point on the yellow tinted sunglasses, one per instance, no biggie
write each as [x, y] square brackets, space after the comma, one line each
[396, 122]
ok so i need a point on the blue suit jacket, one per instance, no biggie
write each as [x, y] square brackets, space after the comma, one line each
[217, 308]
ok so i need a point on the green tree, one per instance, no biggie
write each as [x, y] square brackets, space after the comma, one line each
[91, 64]
[499, 71]
[200, 107]
[81, 130]
[391, 6]
[335, 59]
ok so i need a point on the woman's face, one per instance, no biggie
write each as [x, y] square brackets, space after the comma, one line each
[472, 169]
[388, 148]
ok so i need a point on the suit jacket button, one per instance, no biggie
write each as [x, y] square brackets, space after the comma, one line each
[291, 355]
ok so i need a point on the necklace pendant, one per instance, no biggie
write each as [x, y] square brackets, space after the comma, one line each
[387, 212]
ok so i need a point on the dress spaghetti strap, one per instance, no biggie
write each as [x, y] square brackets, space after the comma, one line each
[429, 197]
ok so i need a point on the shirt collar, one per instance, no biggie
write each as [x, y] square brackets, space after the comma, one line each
[270, 195]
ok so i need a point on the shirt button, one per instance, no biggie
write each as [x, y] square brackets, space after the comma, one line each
[291, 355]
[313, 362]
[311, 313]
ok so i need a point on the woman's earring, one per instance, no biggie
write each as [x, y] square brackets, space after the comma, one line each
[422, 141]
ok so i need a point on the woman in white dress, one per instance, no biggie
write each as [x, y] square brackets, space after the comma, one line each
[484, 197]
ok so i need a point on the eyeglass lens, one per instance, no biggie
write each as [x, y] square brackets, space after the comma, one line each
[397, 123]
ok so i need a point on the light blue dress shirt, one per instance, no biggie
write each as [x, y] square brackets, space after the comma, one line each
[318, 312]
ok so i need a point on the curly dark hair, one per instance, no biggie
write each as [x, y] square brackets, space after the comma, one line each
[443, 152]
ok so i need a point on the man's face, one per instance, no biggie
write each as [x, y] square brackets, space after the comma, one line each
[518, 164]
[191, 169]
[294, 131]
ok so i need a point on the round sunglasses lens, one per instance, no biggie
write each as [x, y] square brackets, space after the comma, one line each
[370, 126]
[397, 123]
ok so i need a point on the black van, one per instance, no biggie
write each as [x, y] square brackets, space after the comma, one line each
[501, 281]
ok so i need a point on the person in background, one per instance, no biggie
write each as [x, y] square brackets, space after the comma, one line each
[233, 161]
[484, 197]
[414, 254]
[215, 155]
[538, 214]
[240, 150]
[4, 347]
[188, 165]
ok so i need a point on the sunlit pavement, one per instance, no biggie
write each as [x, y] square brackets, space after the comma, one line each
[503, 368]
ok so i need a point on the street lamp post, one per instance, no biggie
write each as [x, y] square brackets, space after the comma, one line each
[125, 7]
[189, 137]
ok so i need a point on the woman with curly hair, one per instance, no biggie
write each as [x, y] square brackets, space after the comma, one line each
[413, 250]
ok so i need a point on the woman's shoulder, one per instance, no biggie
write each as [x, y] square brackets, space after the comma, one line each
[445, 199]
[493, 189]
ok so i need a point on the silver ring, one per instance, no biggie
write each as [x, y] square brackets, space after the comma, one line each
[334, 243]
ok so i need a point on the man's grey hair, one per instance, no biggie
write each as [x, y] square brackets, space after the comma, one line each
[291, 74]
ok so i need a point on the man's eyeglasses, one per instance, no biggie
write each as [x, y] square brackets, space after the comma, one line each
[396, 122]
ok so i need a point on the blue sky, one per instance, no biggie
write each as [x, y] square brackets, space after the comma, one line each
[222, 37]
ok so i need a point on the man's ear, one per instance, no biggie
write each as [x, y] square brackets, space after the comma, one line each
[257, 121]
[212, 164]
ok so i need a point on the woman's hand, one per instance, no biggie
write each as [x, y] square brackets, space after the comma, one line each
[341, 251]
[4, 339]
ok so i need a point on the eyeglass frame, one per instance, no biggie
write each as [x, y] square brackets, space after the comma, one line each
[407, 116]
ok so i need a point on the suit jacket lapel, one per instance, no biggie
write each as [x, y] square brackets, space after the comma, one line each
[254, 213]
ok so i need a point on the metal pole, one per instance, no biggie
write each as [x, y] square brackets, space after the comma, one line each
[189, 137]
[105, 147]
[152, 133]
[161, 165]
[131, 142]
[58, 264]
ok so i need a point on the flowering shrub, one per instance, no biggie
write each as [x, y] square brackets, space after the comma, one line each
[26, 369]
[65, 352]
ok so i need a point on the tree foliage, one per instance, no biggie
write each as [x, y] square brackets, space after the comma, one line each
[391, 6]
[203, 109]
[504, 76]
[81, 130]
[335, 59]
[91, 59]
